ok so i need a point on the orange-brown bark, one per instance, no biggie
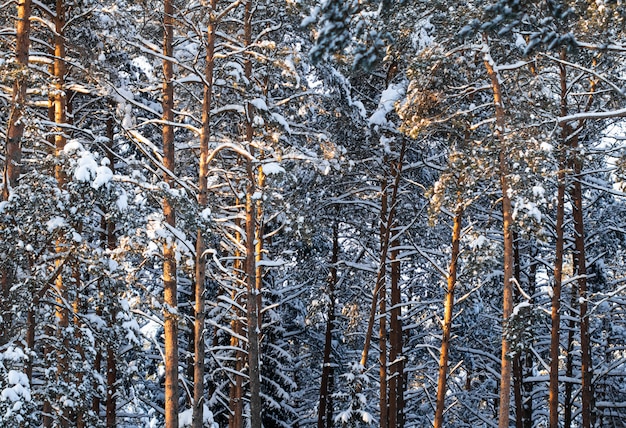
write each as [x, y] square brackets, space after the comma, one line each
[447, 319]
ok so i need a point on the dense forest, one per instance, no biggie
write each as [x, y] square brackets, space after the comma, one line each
[313, 213]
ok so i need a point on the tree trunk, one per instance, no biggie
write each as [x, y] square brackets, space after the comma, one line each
[507, 220]
[15, 126]
[325, 410]
[528, 360]
[111, 243]
[553, 398]
[396, 361]
[383, 259]
[170, 318]
[382, 308]
[555, 332]
[252, 308]
[203, 172]
[569, 365]
[59, 103]
[518, 373]
[447, 319]
[580, 271]
[235, 419]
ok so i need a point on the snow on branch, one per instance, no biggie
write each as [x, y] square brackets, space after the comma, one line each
[592, 115]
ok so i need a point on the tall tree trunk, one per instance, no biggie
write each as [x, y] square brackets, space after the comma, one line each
[553, 398]
[383, 258]
[203, 172]
[580, 271]
[325, 410]
[111, 243]
[507, 222]
[447, 319]
[555, 332]
[396, 364]
[235, 419]
[252, 309]
[13, 157]
[529, 357]
[15, 125]
[518, 373]
[396, 361]
[569, 364]
[382, 308]
[60, 118]
[170, 319]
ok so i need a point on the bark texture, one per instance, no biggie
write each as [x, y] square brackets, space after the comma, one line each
[447, 319]
[170, 318]
[507, 222]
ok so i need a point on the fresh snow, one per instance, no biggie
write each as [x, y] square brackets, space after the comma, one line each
[282, 122]
[55, 223]
[259, 103]
[185, 418]
[272, 168]
[386, 104]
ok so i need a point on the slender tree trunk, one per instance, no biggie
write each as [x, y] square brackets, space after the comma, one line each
[555, 350]
[170, 323]
[15, 126]
[580, 271]
[383, 259]
[111, 243]
[569, 365]
[382, 308]
[252, 308]
[396, 361]
[59, 98]
[553, 398]
[507, 219]
[60, 118]
[447, 319]
[518, 373]
[325, 410]
[258, 248]
[528, 360]
[235, 419]
[198, 365]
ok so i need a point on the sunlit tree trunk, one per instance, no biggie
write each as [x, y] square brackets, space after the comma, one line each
[447, 319]
[170, 318]
[380, 276]
[13, 158]
[15, 125]
[59, 102]
[198, 365]
[235, 419]
[507, 220]
[325, 410]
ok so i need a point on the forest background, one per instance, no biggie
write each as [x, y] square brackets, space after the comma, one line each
[313, 213]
